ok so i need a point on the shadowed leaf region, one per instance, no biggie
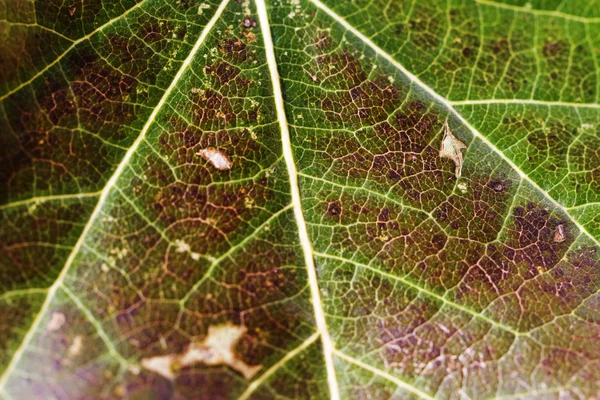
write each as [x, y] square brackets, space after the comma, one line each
[293, 199]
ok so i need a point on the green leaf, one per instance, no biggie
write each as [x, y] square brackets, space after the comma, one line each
[363, 199]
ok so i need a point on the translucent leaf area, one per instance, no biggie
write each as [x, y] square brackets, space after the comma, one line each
[299, 199]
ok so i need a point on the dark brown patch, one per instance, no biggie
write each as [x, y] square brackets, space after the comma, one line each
[334, 208]
[477, 214]
[212, 109]
[223, 71]
[500, 46]
[323, 41]
[551, 49]
[234, 49]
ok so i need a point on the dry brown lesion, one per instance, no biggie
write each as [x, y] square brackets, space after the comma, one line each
[218, 348]
[451, 148]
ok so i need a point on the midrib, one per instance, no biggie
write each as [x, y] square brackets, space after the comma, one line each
[319, 314]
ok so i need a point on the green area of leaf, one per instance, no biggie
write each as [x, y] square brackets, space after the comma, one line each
[261, 199]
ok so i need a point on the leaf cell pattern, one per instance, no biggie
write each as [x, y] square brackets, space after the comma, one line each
[169, 169]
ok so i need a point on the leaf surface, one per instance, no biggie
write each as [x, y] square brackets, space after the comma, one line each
[299, 199]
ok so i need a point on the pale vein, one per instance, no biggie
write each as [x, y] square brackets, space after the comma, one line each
[301, 224]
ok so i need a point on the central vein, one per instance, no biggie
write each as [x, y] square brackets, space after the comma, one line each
[293, 175]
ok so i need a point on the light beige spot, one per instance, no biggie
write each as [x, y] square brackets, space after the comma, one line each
[75, 347]
[216, 157]
[216, 349]
[57, 320]
[451, 148]
[203, 7]
[559, 234]
[182, 246]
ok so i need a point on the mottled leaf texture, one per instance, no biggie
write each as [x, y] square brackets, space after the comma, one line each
[299, 199]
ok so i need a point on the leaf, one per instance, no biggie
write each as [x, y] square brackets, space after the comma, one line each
[276, 172]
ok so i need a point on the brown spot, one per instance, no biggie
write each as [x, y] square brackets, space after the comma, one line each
[223, 71]
[500, 46]
[497, 186]
[235, 49]
[250, 37]
[551, 49]
[324, 41]
[334, 208]
[466, 52]
[212, 109]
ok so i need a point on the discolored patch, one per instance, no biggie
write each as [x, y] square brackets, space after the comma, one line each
[451, 148]
[216, 349]
[216, 157]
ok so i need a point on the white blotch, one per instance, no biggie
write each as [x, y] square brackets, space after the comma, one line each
[451, 148]
[104, 267]
[134, 369]
[216, 157]
[559, 233]
[391, 79]
[463, 187]
[163, 342]
[120, 253]
[57, 320]
[161, 365]
[443, 328]
[216, 349]
[182, 247]
[587, 126]
[203, 7]
[75, 347]
[246, 5]
[195, 256]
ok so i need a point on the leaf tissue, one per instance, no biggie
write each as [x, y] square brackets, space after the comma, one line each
[299, 199]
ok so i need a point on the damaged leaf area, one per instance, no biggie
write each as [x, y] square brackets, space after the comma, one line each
[451, 148]
[301, 199]
[216, 349]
